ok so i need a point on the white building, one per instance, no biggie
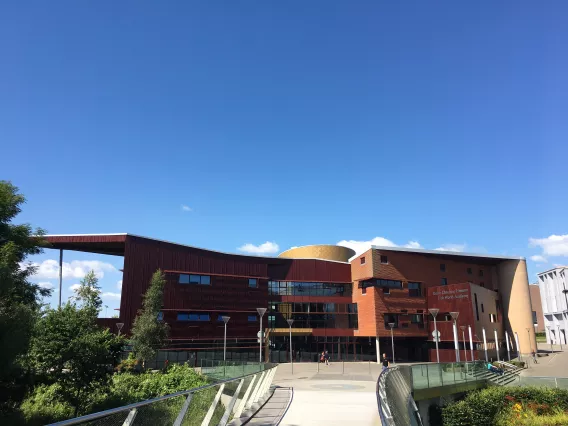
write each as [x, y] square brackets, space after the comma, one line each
[554, 295]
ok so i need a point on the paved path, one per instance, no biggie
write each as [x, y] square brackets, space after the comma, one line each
[336, 395]
[553, 365]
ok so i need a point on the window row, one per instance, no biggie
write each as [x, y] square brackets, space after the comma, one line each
[204, 317]
[395, 320]
[278, 320]
[206, 280]
[414, 288]
[296, 288]
[311, 308]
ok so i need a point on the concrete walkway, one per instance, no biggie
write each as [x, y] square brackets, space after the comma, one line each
[553, 365]
[336, 395]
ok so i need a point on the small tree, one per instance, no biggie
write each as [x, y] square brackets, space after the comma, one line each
[89, 292]
[71, 350]
[148, 333]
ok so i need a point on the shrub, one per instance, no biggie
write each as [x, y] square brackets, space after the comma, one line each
[130, 364]
[45, 405]
[484, 406]
[520, 364]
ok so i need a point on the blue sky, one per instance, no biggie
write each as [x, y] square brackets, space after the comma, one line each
[289, 123]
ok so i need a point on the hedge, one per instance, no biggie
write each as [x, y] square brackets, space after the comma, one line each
[481, 408]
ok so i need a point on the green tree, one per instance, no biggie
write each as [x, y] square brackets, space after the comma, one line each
[71, 350]
[88, 294]
[148, 333]
[19, 298]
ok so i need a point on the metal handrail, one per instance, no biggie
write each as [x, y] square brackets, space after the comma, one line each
[129, 407]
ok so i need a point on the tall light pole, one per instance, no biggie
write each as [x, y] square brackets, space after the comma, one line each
[261, 312]
[454, 315]
[434, 312]
[485, 344]
[559, 336]
[225, 320]
[463, 336]
[391, 325]
[290, 322]
[496, 344]
[507, 342]
[518, 347]
[471, 343]
[529, 334]
[550, 337]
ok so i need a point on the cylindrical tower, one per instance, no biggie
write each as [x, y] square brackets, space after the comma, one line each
[321, 251]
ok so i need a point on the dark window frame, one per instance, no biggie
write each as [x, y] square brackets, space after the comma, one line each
[362, 260]
[414, 292]
[253, 282]
[384, 259]
[442, 267]
[444, 281]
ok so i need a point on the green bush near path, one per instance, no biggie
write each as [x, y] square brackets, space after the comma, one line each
[490, 406]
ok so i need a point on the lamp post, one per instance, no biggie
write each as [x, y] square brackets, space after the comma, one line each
[119, 326]
[518, 347]
[434, 313]
[496, 344]
[550, 337]
[462, 327]
[261, 312]
[391, 325]
[559, 336]
[225, 320]
[485, 344]
[507, 342]
[529, 334]
[454, 316]
[471, 343]
[290, 322]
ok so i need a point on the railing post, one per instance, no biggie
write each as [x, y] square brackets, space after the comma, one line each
[130, 418]
[255, 391]
[212, 407]
[183, 410]
[227, 413]
[261, 388]
[556, 382]
[243, 402]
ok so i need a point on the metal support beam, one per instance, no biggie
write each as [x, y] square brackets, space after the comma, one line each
[255, 391]
[130, 418]
[227, 413]
[183, 410]
[211, 410]
[243, 402]
[60, 274]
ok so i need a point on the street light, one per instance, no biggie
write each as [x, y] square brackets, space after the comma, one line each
[550, 337]
[261, 312]
[119, 325]
[225, 320]
[391, 325]
[559, 336]
[434, 312]
[529, 333]
[463, 336]
[290, 321]
[454, 316]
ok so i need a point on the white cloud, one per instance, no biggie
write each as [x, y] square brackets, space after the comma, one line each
[74, 287]
[539, 258]
[264, 248]
[110, 295]
[555, 245]
[119, 284]
[46, 284]
[457, 248]
[186, 208]
[49, 269]
[362, 246]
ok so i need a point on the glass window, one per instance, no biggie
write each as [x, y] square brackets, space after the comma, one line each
[182, 316]
[384, 259]
[253, 282]
[386, 290]
[481, 272]
[416, 319]
[476, 307]
[363, 260]
[195, 279]
[204, 317]
[442, 267]
[364, 290]
[444, 281]
[252, 318]
[193, 317]
[160, 316]
[492, 317]
[391, 318]
[482, 308]
[205, 280]
[535, 320]
[220, 317]
[469, 271]
[183, 279]
[414, 289]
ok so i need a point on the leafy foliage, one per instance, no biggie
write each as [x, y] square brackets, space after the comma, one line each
[484, 407]
[149, 334]
[73, 352]
[88, 294]
[19, 299]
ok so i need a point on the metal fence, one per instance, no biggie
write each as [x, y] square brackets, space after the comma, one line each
[551, 382]
[394, 398]
[216, 403]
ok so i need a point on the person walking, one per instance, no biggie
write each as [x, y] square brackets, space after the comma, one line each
[326, 357]
[386, 362]
[322, 357]
[534, 357]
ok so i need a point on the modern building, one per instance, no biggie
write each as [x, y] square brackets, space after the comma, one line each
[536, 304]
[554, 295]
[338, 302]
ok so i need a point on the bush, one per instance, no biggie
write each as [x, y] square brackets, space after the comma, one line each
[45, 406]
[484, 406]
[130, 364]
[520, 364]
[525, 415]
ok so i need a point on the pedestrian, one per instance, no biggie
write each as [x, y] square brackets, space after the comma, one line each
[385, 362]
[326, 357]
[322, 357]
[534, 357]
[300, 354]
